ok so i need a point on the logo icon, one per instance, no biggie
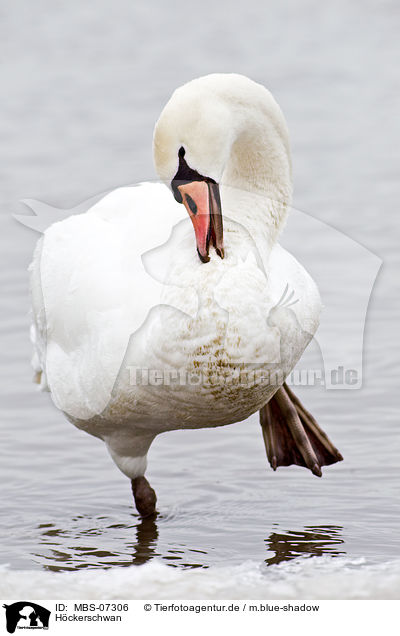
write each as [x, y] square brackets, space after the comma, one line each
[26, 615]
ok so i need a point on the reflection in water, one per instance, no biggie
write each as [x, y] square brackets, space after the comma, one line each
[101, 542]
[312, 541]
[88, 543]
[146, 541]
[81, 547]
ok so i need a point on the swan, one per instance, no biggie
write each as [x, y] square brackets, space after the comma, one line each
[172, 305]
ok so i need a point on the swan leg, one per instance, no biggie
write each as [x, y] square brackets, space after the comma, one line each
[144, 495]
[292, 436]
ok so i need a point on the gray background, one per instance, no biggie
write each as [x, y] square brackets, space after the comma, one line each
[82, 85]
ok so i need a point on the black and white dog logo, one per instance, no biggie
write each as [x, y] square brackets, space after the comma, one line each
[26, 615]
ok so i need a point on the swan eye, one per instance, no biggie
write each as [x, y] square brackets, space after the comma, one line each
[186, 174]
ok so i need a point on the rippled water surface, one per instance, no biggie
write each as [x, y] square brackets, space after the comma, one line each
[84, 88]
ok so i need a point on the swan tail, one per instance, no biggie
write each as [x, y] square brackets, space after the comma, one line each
[292, 436]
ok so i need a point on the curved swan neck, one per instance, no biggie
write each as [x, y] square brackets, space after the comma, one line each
[256, 185]
[232, 131]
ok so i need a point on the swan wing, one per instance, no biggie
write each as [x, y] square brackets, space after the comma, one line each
[90, 292]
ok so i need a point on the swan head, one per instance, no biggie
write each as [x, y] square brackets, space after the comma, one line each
[221, 130]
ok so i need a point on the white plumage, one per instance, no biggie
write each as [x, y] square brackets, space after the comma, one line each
[121, 288]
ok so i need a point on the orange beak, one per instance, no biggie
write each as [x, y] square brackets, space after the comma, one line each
[202, 201]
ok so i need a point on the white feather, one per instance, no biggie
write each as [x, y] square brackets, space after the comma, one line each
[120, 287]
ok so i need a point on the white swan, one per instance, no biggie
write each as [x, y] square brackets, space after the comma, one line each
[134, 341]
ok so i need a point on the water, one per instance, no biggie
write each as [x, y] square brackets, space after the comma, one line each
[83, 89]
